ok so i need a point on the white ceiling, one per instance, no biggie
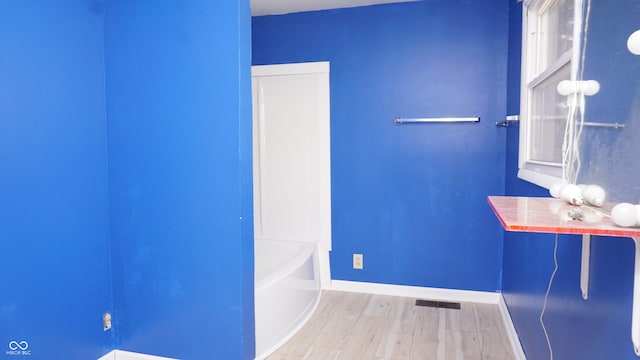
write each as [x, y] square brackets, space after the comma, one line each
[274, 7]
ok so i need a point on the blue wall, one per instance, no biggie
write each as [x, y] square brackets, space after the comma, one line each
[125, 153]
[411, 198]
[599, 328]
[54, 224]
[608, 155]
[178, 104]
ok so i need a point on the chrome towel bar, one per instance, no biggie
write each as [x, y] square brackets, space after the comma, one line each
[508, 119]
[436, 120]
[512, 118]
[610, 125]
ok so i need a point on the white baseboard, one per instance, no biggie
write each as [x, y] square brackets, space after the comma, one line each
[514, 339]
[450, 295]
[127, 355]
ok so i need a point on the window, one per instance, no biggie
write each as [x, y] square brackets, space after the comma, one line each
[551, 50]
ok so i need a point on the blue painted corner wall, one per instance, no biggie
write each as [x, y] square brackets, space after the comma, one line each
[178, 105]
[411, 198]
[600, 327]
[54, 221]
[125, 165]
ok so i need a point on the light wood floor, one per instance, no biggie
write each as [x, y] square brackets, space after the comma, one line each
[356, 326]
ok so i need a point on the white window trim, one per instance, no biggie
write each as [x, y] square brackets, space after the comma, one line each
[540, 173]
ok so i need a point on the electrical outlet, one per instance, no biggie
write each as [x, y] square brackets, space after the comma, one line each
[106, 321]
[358, 262]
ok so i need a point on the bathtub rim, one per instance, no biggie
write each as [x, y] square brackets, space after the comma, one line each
[307, 250]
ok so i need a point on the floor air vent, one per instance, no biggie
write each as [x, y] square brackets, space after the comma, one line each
[438, 304]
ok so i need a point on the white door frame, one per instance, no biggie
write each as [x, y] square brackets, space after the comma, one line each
[323, 133]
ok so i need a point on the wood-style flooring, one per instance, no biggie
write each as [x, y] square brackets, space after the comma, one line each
[354, 326]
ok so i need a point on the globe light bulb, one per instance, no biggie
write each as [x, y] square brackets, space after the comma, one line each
[566, 87]
[571, 193]
[625, 214]
[590, 87]
[594, 195]
[586, 87]
[555, 189]
[633, 43]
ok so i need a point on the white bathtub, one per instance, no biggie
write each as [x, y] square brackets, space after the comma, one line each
[287, 291]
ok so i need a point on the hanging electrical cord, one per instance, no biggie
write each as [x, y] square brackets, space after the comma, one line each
[575, 116]
[570, 151]
[546, 297]
[568, 147]
[585, 32]
[583, 55]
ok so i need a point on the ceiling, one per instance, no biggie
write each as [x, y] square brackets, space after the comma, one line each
[274, 7]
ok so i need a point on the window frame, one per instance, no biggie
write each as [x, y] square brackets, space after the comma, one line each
[541, 173]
